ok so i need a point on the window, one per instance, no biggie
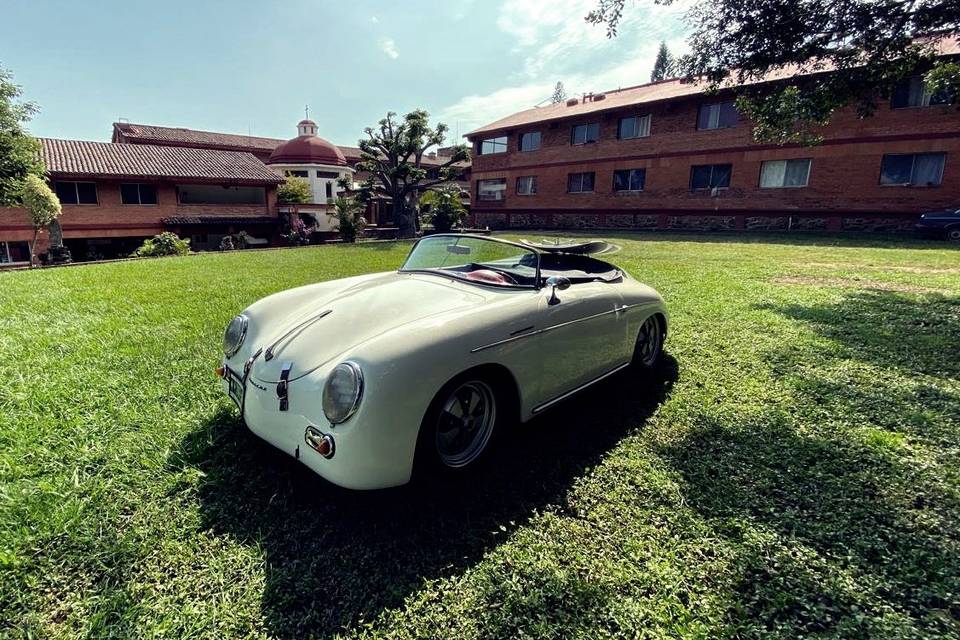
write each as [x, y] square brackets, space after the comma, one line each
[297, 173]
[329, 175]
[494, 189]
[214, 194]
[492, 145]
[329, 189]
[719, 115]
[14, 252]
[527, 185]
[629, 179]
[633, 127]
[584, 133]
[133, 193]
[916, 169]
[784, 173]
[530, 141]
[580, 182]
[76, 192]
[913, 92]
[710, 176]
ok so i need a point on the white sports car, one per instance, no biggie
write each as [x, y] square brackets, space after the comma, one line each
[367, 378]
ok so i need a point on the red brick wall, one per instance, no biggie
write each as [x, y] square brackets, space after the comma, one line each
[844, 175]
[111, 219]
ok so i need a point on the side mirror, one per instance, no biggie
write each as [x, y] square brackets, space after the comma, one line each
[557, 283]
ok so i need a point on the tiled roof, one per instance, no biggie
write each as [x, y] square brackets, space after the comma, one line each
[643, 94]
[173, 135]
[177, 136]
[107, 159]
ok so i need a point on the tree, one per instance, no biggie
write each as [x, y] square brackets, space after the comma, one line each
[446, 208]
[19, 152]
[663, 67]
[868, 46]
[349, 217]
[294, 191]
[392, 157]
[42, 205]
[559, 94]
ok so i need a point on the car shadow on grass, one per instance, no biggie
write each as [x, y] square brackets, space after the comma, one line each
[336, 558]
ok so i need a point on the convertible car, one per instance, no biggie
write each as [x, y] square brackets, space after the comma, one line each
[367, 379]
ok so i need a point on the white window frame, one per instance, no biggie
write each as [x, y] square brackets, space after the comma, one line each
[502, 192]
[530, 181]
[495, 143]
[6, 251]
[629, 175]
[586, 128]
[642, 128]
[913, 163]
[582, 174]
[769, 163]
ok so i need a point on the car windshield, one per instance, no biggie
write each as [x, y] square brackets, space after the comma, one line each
[480, 260]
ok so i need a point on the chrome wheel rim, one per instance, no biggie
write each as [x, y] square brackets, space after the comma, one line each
[465, 423]
[648, 342]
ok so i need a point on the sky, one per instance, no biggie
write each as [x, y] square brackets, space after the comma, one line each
[246, 67]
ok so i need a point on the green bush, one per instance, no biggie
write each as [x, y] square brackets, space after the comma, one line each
[163, 244]
[350, 222]
[446, 210]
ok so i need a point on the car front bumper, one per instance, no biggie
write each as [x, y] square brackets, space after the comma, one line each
[367, 453]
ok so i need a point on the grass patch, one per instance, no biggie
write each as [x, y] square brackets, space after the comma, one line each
[794, 471]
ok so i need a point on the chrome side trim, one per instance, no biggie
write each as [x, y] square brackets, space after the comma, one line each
[268, 354]
[566, 395]
[619, 309]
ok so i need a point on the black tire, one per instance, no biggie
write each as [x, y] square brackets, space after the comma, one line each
[451, 448]
[953, 234]
[648, 348]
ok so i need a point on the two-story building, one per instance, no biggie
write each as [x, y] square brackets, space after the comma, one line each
[116, 195]
[667, 155]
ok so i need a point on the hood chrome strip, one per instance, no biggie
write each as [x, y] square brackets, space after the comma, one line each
[269, 353]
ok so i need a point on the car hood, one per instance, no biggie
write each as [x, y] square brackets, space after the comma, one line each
[335, 321]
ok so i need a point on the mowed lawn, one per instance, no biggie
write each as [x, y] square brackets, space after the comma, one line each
[793, 471]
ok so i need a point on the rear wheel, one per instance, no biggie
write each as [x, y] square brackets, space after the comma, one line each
[649, 346]
[953, 234]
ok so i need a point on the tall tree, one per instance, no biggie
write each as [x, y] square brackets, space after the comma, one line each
[559, 94]
[392, 156]
[19, 152]
[869, 46]
[663, 67]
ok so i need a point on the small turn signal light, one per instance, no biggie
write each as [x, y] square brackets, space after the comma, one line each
[319, 442]
[220, 371]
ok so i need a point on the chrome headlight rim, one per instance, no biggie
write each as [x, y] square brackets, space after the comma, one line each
[231, 350]
[358, 395]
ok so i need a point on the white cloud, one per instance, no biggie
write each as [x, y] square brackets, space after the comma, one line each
[554, 42]
[389, 47]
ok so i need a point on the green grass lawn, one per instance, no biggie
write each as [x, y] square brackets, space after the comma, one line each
[795, 469]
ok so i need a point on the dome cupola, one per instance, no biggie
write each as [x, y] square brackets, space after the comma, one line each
[307, 148]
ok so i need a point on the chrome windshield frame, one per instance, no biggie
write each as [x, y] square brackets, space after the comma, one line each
[536, 287]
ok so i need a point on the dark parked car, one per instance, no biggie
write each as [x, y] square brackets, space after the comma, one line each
[944, 224]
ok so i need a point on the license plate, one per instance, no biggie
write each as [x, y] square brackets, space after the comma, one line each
[235, 387]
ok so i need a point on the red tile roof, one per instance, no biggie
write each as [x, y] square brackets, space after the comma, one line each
[180, 137]
[644, 94]
[107, 159]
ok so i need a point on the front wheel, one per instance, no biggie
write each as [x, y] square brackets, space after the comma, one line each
[649, 347]
[953, 234]
[461, 423]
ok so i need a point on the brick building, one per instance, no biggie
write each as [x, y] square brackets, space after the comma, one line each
[116, 195]
[667, 156]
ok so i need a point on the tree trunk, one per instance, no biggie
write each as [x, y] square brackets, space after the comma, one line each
[404, 221]
[33, 248]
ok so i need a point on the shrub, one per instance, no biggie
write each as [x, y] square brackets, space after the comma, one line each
[296, 233]
[163, 244]
[446, 209]
[350, 220]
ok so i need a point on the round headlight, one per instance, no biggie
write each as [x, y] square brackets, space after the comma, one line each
[233, 336]
[342, 392]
